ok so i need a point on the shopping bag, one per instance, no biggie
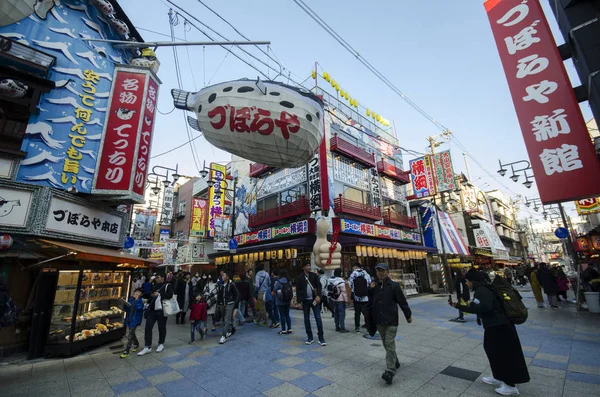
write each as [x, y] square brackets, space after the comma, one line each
[170, 306]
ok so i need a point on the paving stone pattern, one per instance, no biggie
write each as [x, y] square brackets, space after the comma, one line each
[439, 358]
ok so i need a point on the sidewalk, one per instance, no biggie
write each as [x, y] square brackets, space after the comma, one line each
[561, 346]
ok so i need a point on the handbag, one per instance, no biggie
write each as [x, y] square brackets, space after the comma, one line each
[170, 306]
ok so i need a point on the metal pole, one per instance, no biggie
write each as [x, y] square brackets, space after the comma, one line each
[570, 241]
[121, 43]
[447, 286]
[233, 209]
[467, 166]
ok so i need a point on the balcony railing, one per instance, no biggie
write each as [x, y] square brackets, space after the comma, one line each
[393, 218]
[346, 148]
[345, 206]
[295, 208]
[383, 167]
[504, 220]
[257, 169]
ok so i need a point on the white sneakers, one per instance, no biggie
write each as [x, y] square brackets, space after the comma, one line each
[160, 348]
[490, 380]
[145, 351]
[222, 340]
[507, 390]
[504, 389]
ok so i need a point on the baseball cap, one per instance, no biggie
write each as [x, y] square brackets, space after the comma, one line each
[382, 266]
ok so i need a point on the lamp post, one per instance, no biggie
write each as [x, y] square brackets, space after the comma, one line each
[526, 166]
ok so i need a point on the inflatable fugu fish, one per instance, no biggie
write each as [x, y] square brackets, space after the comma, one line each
[263, 121]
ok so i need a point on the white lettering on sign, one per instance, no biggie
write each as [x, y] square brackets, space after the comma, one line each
[564, 158]
[550, 126]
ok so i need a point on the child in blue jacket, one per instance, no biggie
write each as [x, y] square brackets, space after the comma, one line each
[135, 313]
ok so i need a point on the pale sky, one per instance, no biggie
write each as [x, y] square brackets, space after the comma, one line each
[440, 53]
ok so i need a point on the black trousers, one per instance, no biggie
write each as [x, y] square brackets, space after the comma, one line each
[358, 309]
[180, 317]
[503, 348]
[155, 316]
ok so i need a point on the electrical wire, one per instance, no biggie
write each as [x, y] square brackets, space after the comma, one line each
[177, 147]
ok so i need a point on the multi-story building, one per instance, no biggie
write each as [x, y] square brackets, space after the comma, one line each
[507, 226]
[356, 181]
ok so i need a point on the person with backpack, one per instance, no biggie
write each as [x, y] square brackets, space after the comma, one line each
[336, 288]
[262, 293]
[359, 284]
[326, 302]
[500, 341]
[283, 299]
[272, 308]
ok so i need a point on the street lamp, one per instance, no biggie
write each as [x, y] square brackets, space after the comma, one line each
[515, 171]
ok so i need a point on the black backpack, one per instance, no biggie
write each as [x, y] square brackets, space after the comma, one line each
[332, 291]
[360, 286]
[511, 301]
[10, 315]
[285, 293]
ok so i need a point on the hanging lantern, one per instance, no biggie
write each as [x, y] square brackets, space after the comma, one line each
[261, 256]
[346, 96]
[235, 259]
[386, 252]
[583, 244]
[368, 112]
[370, 251]
[364, 250]
[268, 255]
[6, 241]
[595, 241]
[356, 103]
[313, 74]
[380, 252]
[378, 118]
[280, 254]
[358, 250]
[217, 261]
[289, 143]
[274, 254]
[333, 83]
[288, 253]
[342, 93]
[326, 76]
[294, 253]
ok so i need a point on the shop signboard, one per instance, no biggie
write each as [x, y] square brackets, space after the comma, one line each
[170, 251]
[444, 171]
[14, 207]
[314, 183]
[281, 180]
[164, 234]
[469, 198]
[216, 195]
[125, 145]
[143, 244]
[167, 209]
[375, 187]
[157, 252]
[66, 217]
[222, 233]
[588, 206]
[197, 253]
[371, 230]
[198, 224]
[144, 225]
[63, 137]
[557, 140]
[422, 177]
[277, 232]
[487, 237]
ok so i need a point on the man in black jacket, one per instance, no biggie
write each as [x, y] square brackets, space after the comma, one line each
[308, 291]
[386, 296]
[228, 299]
[462, 292]
[160, 291]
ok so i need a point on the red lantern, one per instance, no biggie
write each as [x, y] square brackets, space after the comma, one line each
[596, 241]
[583, 244]
[5, 242]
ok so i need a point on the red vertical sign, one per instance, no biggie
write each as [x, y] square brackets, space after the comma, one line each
[559, 147]
[117, 151]
[144, 146]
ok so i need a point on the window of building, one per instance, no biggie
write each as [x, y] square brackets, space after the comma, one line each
[267, 203]
[293, 194]
[396, 207]
[181, 209]
[357, 195]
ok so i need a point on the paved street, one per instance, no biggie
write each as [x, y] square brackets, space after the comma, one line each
[561, 346]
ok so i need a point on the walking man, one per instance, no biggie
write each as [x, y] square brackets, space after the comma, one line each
[359, 284]
[160, 291]
[386, 296]
[308, 291]
[338, 295]
[271, 306]
[228, 298]
[462, 295]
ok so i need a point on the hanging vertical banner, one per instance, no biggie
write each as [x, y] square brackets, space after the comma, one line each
[167, 210]
[375, 187]
[422, 177]
[469, 199]
[558, 143]
[444, 171]
[314, 183]
[222, 232]
[216, 194]
[588, 206]
[127, 128]
[198, 224]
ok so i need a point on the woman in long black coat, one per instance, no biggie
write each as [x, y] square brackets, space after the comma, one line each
[548, 281]
[500, 341]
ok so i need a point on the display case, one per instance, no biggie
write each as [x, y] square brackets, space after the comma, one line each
[88, 310]
[407, 281]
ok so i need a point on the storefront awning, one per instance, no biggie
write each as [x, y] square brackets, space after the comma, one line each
[347, 240]
[96, 254]
[300, 242]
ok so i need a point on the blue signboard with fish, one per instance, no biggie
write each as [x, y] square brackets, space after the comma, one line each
[63, 139]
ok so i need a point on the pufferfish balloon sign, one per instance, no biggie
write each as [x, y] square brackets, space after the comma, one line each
[263, 121]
